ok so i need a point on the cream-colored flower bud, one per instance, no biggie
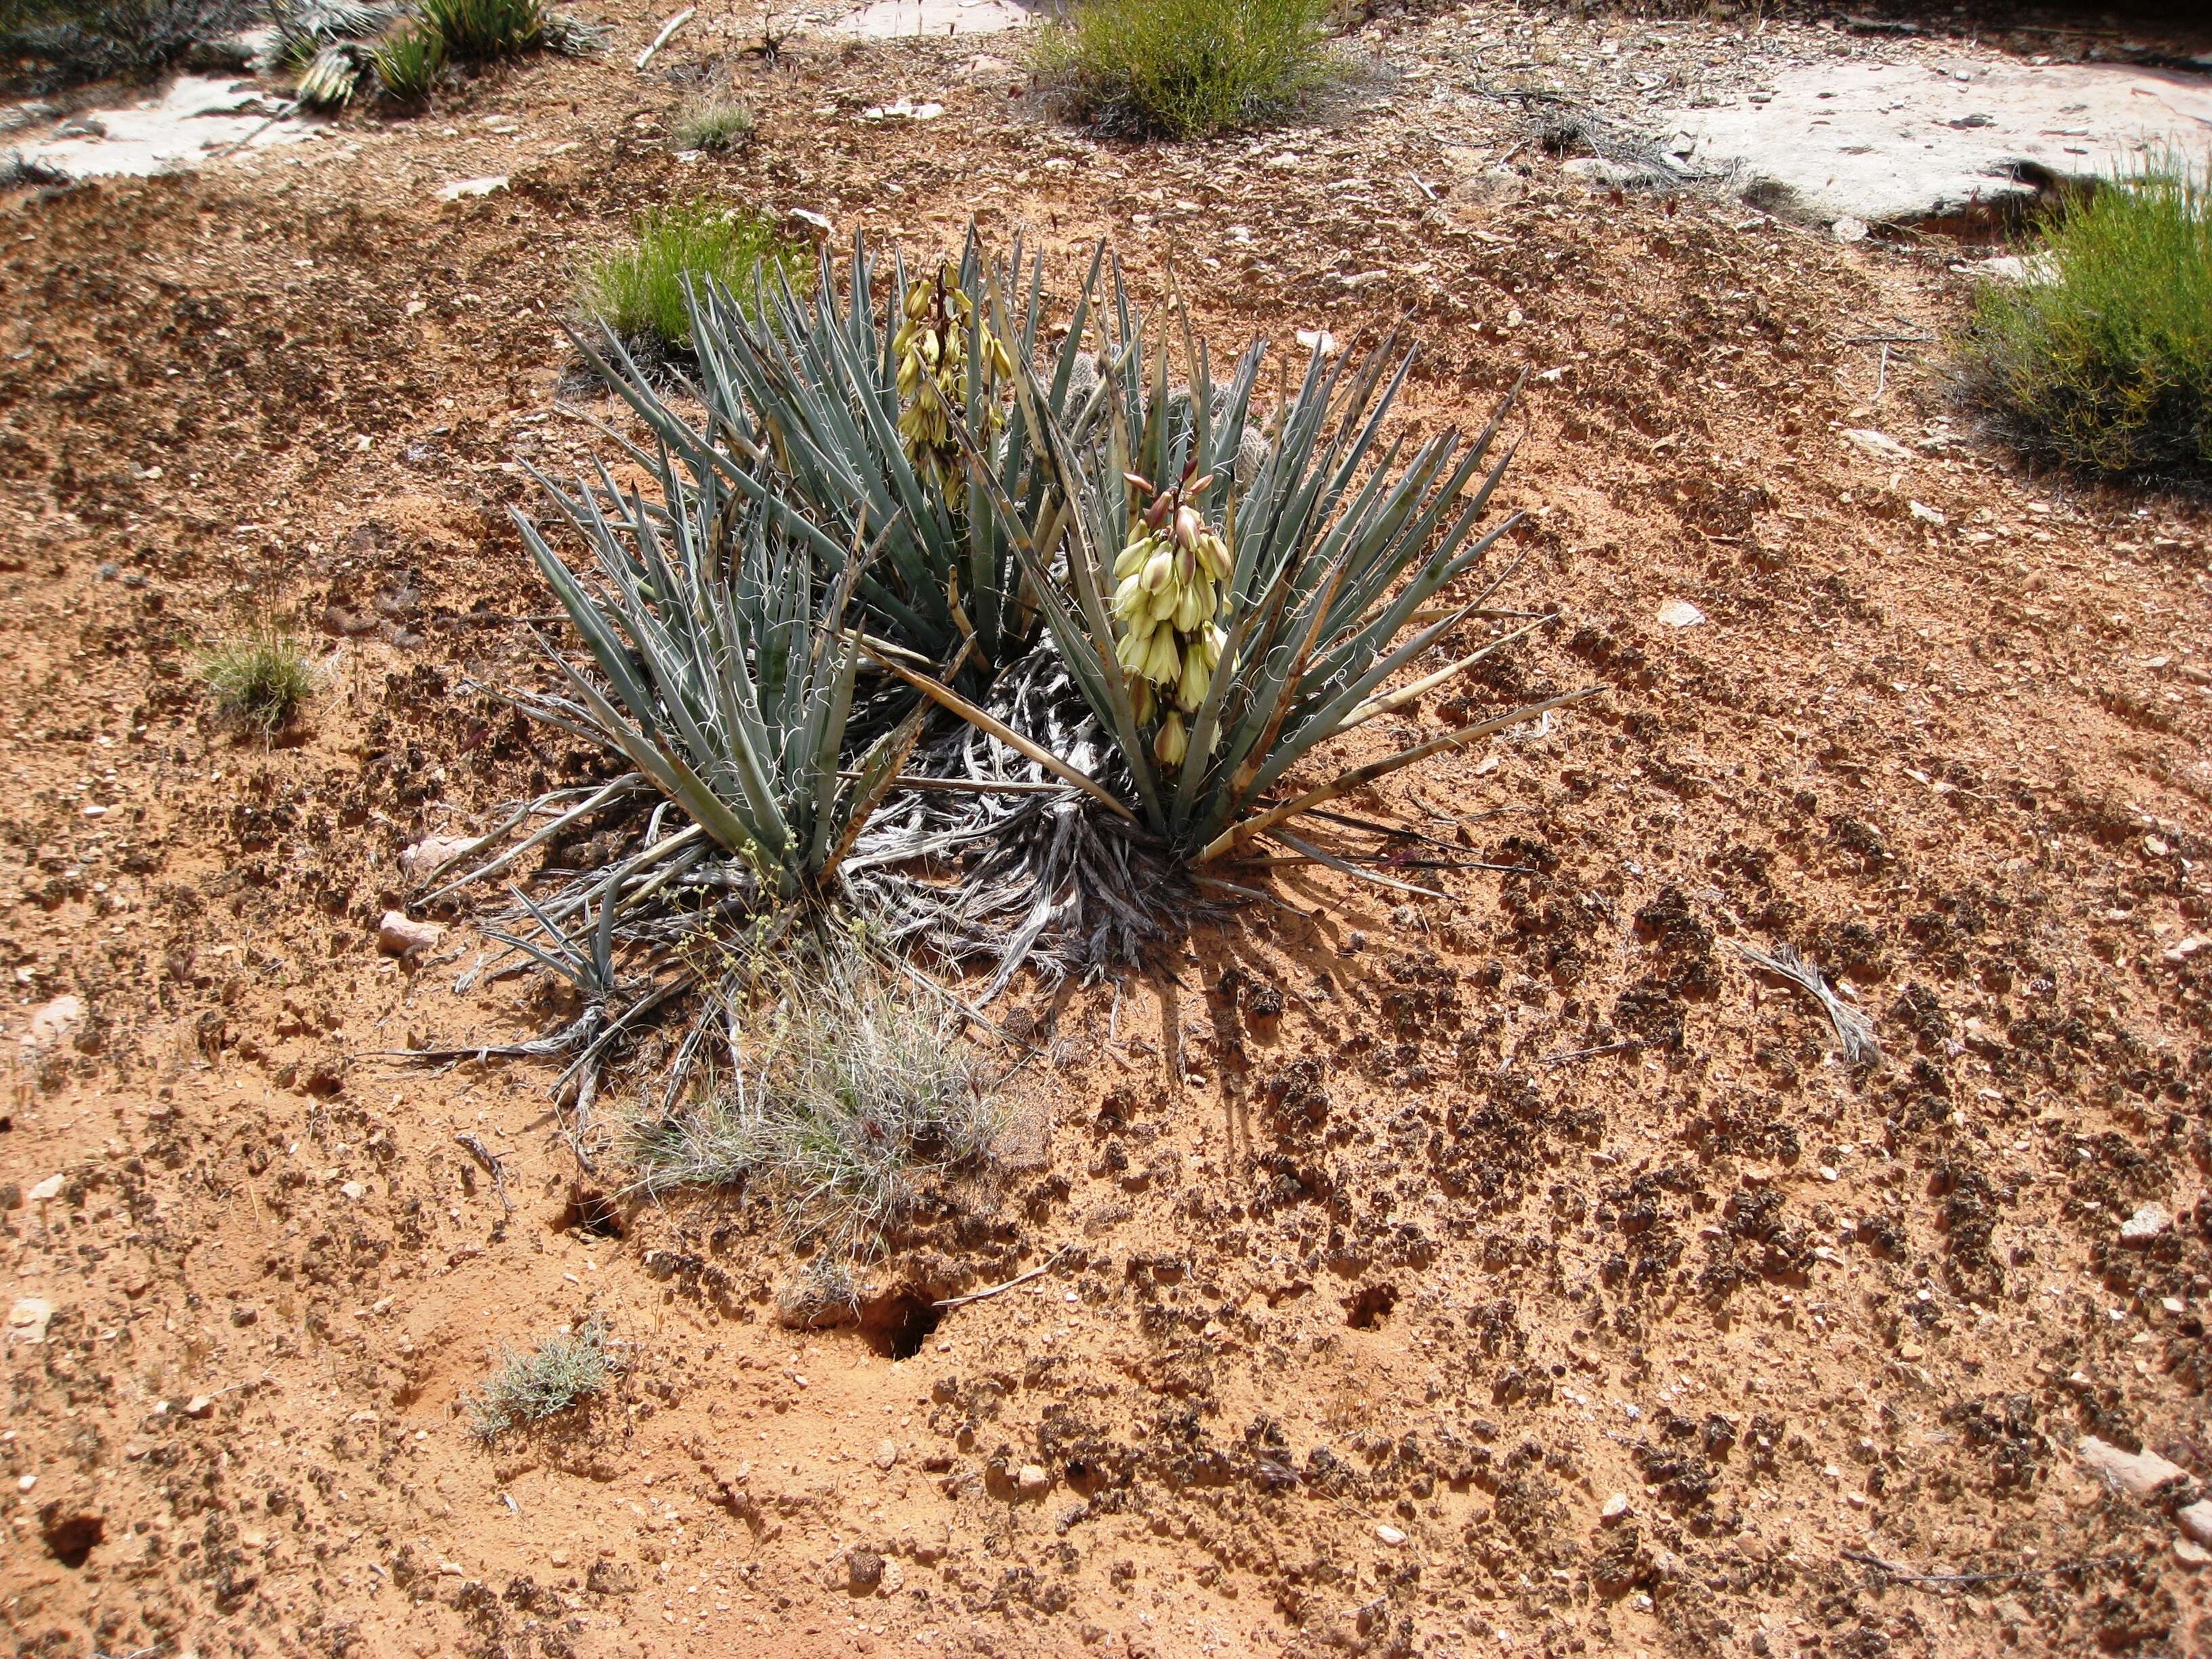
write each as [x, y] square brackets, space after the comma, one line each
[1172, 743]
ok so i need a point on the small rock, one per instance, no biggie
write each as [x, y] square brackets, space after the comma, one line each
[1678, 613]
[2189, 947]
[462, 188]
[199, 1406]
[47, 1191]
[894, 1579]
[903, 109]
[399, 934]
[55, 1023]
[354, 1190]
[1616, 1508]
[886, 1453]
[1317, 339]
[28, 1319]
[1032, 1480]
[2189, 1552]
[1879, 445]
[431, 854]
[2195, 1520]
[2152, 1221]
[1848, 229]
[1926, 513]
[814, 227]
[2139, 1475]
[864, 1570]
[1390, 1535]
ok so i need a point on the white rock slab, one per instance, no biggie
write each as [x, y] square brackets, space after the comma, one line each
[1891, 142]
[195, 118]
[885, 20]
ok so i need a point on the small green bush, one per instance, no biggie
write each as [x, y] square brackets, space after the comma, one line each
[262, 678]
[714, 122]
[1184, 68]
[529, 1388]
[639, 289]
[408, 64]
[482, 31]
[2102, 360]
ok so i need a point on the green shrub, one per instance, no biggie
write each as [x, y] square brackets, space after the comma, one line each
[529, 1388]
[638, 291]
[261, 679]
[2102, 358]
[1185, 69]
[714, 122]
[481, 31]
[408, 64]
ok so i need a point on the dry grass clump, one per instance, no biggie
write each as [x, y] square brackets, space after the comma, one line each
[2102, 358]
[715, 121]
[850, 1089]
[484, 31]
[529, 1388]
[1185, 69]
[262, 679]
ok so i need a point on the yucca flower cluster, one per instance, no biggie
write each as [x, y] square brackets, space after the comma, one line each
[1171, 583]
[932, 344]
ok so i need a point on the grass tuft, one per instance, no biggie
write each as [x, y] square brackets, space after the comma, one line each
[263, 679]
[2102, 360]
[851, 1087]
[1185, 69]
[639, 289]
[716, 121]
[529, 1388]
[484, 31]
[408, 64]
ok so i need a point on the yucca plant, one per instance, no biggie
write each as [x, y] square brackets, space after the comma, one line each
[408, 63]
[1221, 634]
[807, 413]
[484, 31]
[729, 675]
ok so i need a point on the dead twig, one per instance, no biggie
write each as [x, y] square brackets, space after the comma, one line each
[1042, 1267]
[1853, 1029]
[490, 1160]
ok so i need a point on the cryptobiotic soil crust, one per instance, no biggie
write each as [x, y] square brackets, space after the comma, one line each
[1514, 1272]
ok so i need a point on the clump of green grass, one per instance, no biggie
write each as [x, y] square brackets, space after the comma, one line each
[263, 679]
[715, 121]
[639, 289]
[408, 64]
[2102, 360]
[851, 1089]
[1185, 69]
[529, 1388]
[482, 31]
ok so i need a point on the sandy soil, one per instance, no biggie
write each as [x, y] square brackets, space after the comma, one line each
[1518, 1272]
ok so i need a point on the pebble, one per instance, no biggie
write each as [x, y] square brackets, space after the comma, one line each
[1926, 513]
[2139, 1475]
[1616, 1508]
[2189, 1552]
[432, 854]
[886, 1453]
[864, 1569]
[1032, 1480]
[1678, 613]
[2195, 1520]
[199, 1406]
[28, 1319]
[47, 1191]
[2152, 1221]
[55, 1023]
[1848, 229]
[1390, 1535]
[1879, 445]
[399, 934]
[461, 188]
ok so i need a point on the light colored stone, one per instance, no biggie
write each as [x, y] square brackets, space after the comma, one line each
[1678, 613]
[199, 1406]
[462, 189]
[399, 934]
[903, 109]
[428, 856]
[1032, 1480]
[1317, 339]
[1879, 445]
[2139, 1475]
[1849, 230]
[887, 1452]
[28, 1319]
[2195, 1520]
[55, 1023]
[2189, 1552]
[2189, 947]
[1926, 514]
[2147, 1225]
[195, 118]
[1390, 1535]
[934, 19]
[1616, 1507]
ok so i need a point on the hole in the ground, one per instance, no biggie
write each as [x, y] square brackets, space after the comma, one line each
[590, 1211]
[1364, 1311]
[70, 1538]
[897, 1326]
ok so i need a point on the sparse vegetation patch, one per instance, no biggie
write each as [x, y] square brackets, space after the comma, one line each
[561, 1372]
[2102, 358]
[262, 679]
[717, 121]
[1185, 69]
[640, 290]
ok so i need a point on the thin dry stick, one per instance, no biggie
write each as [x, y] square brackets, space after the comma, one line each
[484, 1155]
[1042, 1267]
